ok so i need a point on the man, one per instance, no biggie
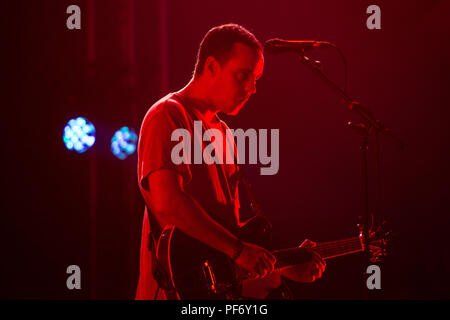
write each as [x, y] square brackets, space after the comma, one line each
[202, 200]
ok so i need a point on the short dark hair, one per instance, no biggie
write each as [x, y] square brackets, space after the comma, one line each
[219, 41]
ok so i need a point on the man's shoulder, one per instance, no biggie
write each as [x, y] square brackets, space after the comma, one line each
[168, 106]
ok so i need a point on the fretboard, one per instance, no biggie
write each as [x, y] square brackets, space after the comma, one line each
[332, 249]
[327, 250]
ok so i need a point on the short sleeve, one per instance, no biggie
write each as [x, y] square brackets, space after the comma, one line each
[155, 144]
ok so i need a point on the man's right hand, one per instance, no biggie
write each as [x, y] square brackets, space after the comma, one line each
[255, 260]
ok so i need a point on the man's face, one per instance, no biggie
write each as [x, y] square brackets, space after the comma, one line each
[235, 81]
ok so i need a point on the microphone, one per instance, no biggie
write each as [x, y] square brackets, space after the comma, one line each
[279, 45]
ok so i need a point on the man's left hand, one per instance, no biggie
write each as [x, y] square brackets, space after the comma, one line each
[308, 271]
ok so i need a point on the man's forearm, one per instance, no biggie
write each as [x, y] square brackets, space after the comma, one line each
[186, 214]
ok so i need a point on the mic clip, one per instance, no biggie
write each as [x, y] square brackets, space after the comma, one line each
[304, 59]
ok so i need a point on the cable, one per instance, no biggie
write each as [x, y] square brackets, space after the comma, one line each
[345, 65]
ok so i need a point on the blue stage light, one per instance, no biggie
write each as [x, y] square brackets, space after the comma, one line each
[123, 143]
[79, 134]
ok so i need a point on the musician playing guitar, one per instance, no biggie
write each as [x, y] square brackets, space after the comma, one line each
[202, 200]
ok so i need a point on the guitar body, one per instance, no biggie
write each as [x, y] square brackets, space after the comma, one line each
[198, 271]
[195, 270]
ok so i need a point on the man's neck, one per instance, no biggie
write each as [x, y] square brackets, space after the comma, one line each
[198, 97]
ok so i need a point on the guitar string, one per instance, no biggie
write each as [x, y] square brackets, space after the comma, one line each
[339, 248]
[332, 245]
[338, 244]
[333, 248]
[325, 255]
[339, 241]
[340, 251]
[349, 245]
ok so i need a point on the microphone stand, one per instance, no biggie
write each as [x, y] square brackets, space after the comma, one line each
[367, 124]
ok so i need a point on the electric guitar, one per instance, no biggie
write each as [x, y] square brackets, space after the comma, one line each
[197, 271]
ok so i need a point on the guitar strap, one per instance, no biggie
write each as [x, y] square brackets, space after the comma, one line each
[158, 271]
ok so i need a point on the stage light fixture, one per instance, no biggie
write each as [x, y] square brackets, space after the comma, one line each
[123, 143]
[79, 134]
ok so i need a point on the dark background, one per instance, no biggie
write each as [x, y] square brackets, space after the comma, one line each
[61, 208]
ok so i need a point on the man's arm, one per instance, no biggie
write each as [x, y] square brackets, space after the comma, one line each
[170, 204]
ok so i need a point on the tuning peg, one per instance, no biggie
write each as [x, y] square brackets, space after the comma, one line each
[387, 235]
[376, 259]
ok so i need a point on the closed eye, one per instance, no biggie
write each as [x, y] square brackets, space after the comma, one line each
[243, 76]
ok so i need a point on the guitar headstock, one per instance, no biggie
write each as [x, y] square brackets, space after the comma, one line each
[378, 240]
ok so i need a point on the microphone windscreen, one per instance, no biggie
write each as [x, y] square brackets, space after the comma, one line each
[275, 46]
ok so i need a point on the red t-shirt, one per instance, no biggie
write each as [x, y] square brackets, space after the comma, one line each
[214, 186]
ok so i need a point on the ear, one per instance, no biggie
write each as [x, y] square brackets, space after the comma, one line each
[211, 66]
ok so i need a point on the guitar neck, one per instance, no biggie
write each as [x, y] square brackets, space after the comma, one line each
[333, 249]
[327, 250]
